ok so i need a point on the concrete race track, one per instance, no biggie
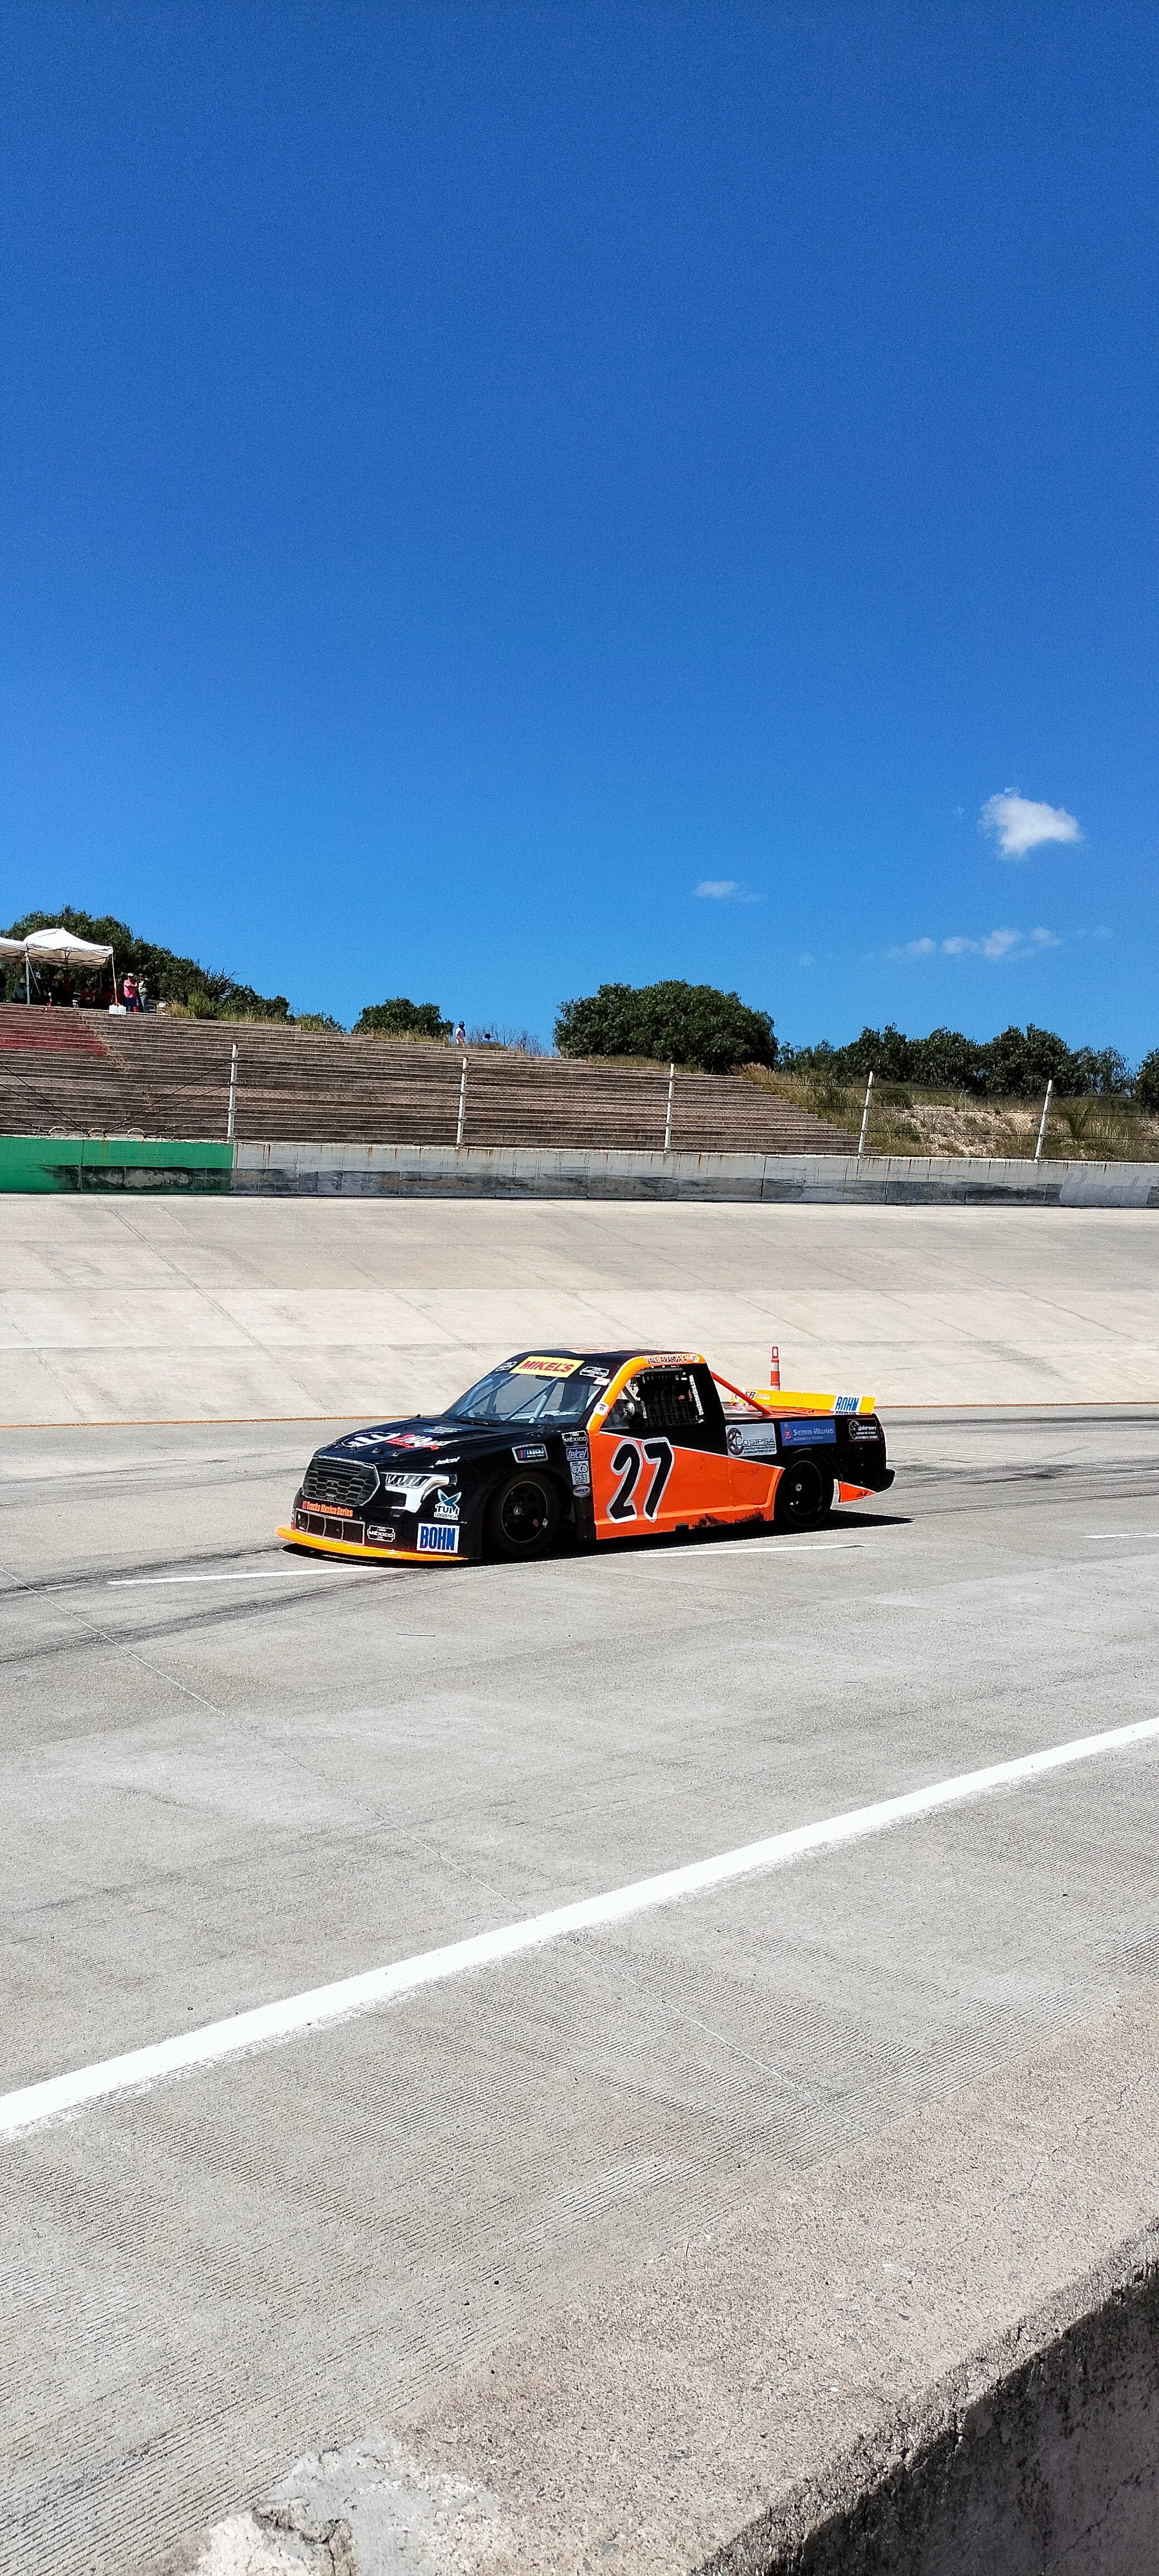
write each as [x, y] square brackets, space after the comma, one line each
[230, 1775]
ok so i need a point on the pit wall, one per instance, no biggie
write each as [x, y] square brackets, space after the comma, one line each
[47, 1164]
[57, 1163]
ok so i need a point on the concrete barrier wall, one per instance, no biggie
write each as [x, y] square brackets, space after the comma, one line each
[47, 1165]
[137, 1164]
[540, 1172]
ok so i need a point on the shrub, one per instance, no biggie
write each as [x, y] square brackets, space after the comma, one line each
[401, 1019]
[690, 1024]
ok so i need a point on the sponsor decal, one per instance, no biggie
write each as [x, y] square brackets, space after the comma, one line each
[546, 1367]
[410, 1440]
[532, 1454]
[365, 1440]
[800, 1434]
[671, 1359]
[333, 1511]
[435, 1541]
[319, 1523]
[579, 1465]
[846, 1403]
[753, 1440]
[446, 1507]
[381, 1534]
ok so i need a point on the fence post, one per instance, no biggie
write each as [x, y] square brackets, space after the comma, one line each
[668, 1119]
[229, 1124]
[865, 1117]
[462, 1105]
[1042, 1122]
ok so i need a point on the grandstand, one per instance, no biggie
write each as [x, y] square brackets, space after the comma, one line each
[84, 1073]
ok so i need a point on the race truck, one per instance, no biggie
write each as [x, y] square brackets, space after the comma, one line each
[582, 1448]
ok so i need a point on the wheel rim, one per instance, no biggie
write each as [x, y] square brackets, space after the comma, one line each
[802, 1492]
[524, 1514]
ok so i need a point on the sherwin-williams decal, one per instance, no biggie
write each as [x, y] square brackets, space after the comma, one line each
[546, 1368]
[800, 1435]
[531, 1454]
[435, 1540]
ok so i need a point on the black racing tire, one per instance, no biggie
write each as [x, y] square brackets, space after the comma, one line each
[804, 1496]
[522, 1516]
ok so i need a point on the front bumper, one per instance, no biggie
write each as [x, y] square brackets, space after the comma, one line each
[370, 1555]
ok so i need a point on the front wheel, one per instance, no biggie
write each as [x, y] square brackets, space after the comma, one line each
[522, 1517]
[804, 1496]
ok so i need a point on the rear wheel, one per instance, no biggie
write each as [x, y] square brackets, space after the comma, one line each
[804, 1496]
[522, 1517]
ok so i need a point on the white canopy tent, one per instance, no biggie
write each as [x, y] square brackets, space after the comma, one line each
[56, 947]
[59, 944]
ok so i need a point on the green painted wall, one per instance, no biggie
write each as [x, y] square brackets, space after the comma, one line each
[111, 1163]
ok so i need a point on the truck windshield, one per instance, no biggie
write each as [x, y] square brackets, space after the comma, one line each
[516, 1393]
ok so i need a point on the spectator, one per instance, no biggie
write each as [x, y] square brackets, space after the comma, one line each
[130, 995]
[460, 1036]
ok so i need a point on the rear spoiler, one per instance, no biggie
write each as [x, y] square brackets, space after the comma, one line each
[779, 1399]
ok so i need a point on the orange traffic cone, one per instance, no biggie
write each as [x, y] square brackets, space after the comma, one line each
[775, 1367]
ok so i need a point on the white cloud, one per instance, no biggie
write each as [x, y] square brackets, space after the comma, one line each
[997, 945]
[1021, 826]
[807, 959]
[721, 889]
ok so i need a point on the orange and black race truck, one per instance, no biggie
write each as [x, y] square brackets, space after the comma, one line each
[583, 1446]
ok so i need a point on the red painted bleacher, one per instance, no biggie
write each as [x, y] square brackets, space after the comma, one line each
[36, 1026]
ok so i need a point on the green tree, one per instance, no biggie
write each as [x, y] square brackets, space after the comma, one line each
[694, 1025]
[1146, 1084]
[401, 1019]
[1017, 1064]
[169, 978]
[1023, 1061]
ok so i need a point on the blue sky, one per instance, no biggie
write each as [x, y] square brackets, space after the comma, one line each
[474, 475]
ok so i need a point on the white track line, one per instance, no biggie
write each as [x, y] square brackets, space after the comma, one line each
[34, 2103]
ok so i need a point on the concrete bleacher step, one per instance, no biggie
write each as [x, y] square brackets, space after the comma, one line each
[167, 1078]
